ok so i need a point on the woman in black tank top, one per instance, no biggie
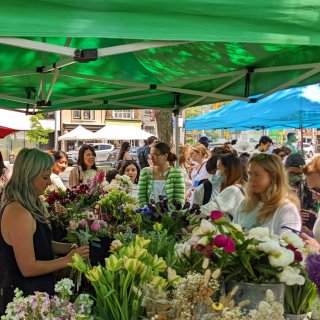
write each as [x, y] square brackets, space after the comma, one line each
[27, 257]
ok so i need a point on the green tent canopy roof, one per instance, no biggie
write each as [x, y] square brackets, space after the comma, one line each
[153, 54]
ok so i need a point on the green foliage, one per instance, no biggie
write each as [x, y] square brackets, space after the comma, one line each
[193, 112]
[298, 299]
[38, 134]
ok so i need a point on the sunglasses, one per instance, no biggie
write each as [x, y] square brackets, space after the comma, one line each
[315, 191]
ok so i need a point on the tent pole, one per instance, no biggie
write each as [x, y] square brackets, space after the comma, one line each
[176, 113]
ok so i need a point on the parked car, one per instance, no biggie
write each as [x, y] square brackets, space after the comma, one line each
[308, 150]
[103, 151]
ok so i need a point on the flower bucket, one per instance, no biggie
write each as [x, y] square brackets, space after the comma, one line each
[100, 250]
[305, 316]
[255, 292]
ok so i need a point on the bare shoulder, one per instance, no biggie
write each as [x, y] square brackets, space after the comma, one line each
[15, 212]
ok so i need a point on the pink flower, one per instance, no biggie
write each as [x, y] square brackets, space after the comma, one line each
[230, 246]
[217, 216]
[222, 241]
[291, 247]
[96, 226]
[298, 256]
[83, 223]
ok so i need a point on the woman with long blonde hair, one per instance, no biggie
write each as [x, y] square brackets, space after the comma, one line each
[269, 201]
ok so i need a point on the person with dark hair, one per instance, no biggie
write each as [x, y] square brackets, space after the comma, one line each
[5, 173]
[291, 139]
[60, 165]
[111, 174]
[26, 246]
[264, 145]
[131, 169]
[208, 188]
[86, 168]
[280, 153]
[124, 154]
[294, 166]
[162, 179]
[205, 141]
[143, 152]
[232, 187]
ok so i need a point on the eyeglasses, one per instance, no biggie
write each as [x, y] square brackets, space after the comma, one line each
[154, 155]
[315, 191]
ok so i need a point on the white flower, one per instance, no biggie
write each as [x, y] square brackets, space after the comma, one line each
[259, 233]
[118, 177]
[126, 178]
[183, 248]
[115, 245]
[291, 276]
[282, 259]
[206, 227]
[270, 246]
[291, 238]
[203, 241]
[73, 224]
[64, 286]
[237, 226]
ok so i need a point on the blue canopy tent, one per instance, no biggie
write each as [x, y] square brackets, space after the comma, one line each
[291, 108]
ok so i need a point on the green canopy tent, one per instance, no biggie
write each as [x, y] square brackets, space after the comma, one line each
[160, 54]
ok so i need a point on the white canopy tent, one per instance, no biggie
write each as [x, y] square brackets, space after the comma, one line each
[118, 132]
[79, 133]
[14, 120]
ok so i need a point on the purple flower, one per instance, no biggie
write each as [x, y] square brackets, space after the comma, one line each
[313, 267]
[217, 216]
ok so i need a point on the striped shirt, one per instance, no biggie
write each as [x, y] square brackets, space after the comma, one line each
[174, 187]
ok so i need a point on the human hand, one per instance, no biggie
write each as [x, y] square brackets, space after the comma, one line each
[310, 242]
[83, 251]
[305, 215]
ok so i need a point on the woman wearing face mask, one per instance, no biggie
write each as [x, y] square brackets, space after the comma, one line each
[294, 167]
[86, 168]
[209, 188]
[232, 183]
[60, 165]
[269, 201]
[312, 172]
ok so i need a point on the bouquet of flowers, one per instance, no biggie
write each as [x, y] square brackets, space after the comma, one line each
[41, 306]
[118, 285]
[256, 256]
[174, 218]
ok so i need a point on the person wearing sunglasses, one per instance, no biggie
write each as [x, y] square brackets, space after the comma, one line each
[161, 179]
[269, 201]
[312, 172]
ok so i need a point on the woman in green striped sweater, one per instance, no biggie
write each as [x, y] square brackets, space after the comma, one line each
[161, 179]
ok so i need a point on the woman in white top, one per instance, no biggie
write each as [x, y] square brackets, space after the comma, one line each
[60, 165]
[86, 168]
[199, 155]
[269, 200]
[312, 172]
[232, 183]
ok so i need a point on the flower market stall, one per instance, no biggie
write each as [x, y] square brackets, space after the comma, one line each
[163, 262]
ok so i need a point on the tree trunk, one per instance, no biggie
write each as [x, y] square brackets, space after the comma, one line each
[164, 126]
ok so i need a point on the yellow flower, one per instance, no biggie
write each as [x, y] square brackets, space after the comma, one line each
[113, 263]
[141, 242]
[133, 265]
[217, 306]
[94, 274]
[173, 278]
[158, 281]
[157, 227]
[78, 263]
[158, 264]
